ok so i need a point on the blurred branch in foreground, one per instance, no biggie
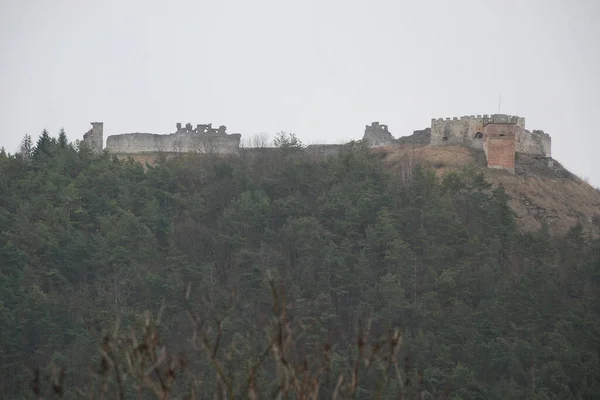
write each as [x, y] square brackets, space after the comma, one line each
[137, 364]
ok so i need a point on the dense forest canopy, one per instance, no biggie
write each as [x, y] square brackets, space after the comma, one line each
[486, 311]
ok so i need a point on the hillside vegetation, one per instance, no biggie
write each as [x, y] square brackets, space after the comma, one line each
[541, 195]
[92, 247]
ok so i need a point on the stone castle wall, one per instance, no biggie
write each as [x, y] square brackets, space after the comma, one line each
[186, 142]
[203, 139]
[470, 131]
[494, 130]
[94, 138]
[418, 138]
[534, 143]
[463, 131]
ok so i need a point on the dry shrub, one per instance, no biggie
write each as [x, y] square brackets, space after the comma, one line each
[138, 363]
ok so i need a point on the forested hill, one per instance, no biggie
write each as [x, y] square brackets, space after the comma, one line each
[486, 311]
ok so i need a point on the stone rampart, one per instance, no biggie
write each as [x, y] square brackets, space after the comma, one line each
[536, 143]
[324, 150]
[472, 130]
[202, 139]
[418, 138]
[175, 142]
[494, 130]
[468, 130]
[501, 136]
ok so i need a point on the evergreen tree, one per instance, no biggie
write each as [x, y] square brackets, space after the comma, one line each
[63, 142]
[26, 147]
[44, 146]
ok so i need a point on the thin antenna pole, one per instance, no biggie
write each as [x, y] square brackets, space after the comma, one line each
[499, 99]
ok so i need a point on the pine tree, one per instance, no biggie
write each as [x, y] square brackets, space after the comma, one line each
[63, 142]
[26, 147]
[44, 145]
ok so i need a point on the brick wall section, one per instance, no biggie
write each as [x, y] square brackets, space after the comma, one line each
[500, 153]
[495, 130]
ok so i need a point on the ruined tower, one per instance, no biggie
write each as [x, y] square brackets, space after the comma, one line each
[377, 135]
[94, 138]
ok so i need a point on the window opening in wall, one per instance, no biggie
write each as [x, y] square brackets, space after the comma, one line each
[502, 134]
[478, 135]
[445, 138]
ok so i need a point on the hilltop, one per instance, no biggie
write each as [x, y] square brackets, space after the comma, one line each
[542, 192]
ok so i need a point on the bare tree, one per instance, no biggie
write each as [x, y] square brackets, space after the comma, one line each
[260, 140]
[205, 144]
[138, 359]
[210, 144]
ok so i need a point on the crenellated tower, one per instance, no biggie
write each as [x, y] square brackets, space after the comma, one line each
[499, 135]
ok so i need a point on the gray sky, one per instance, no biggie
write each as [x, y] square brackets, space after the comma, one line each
[320, 68]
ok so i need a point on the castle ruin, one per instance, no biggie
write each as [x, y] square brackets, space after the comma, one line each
[378, 135]
[94, 138]
[203, 139]
[499, 135]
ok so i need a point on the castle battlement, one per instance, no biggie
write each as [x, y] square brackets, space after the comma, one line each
[485, 119]
[490, 132]
[206, 129]
[503, 119]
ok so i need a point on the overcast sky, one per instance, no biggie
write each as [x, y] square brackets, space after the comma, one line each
[320, 68]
